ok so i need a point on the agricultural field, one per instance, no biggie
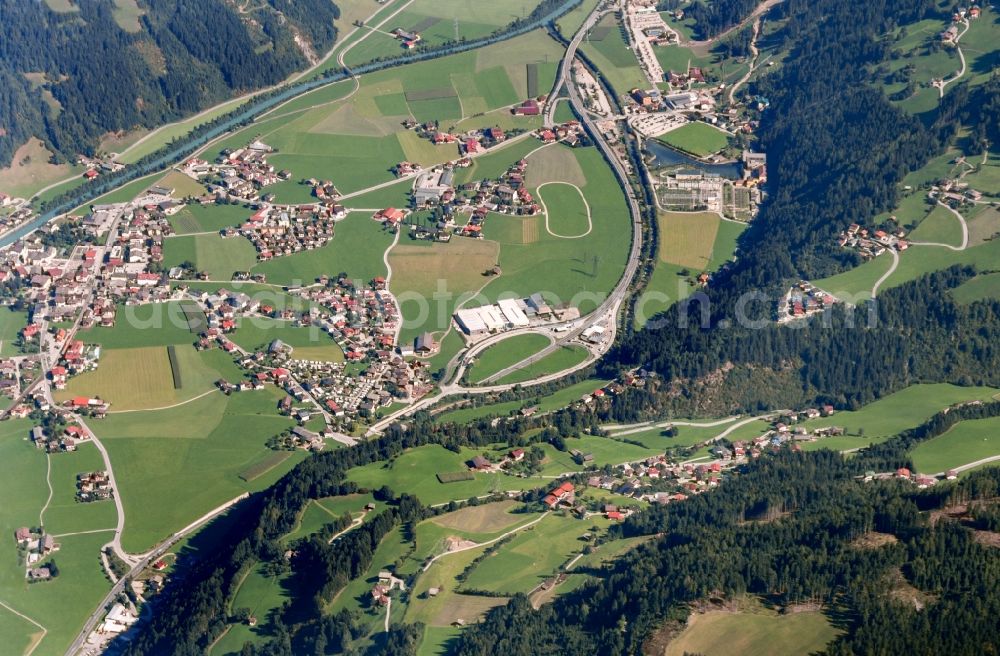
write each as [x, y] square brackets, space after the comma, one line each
[197, 218]
[890, 415]
[415, 472]
[63, 604]
[431, 279]
[176, 464]
[606, 451]
[64, 513]
[964, 443]
[981, 287]
[436, 21]
[152, 324]
[533, 555]
[754, 633]
[699, 241]
[217, 256]
[940, 226]
[356, 142]
[696, 138]
[183, 185]
[580, 271]
[855, 285]
[607, 47]
[683, 251]
[143, 377]
[509, 351]
[927, 62]
[562, 358]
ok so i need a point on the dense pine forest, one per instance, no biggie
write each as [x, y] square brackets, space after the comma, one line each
[94, 77]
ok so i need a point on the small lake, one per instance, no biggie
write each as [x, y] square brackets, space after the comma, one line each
[666, 156]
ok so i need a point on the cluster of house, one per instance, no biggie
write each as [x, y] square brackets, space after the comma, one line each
[386, 583]
[127, 273]
[955, 192]
[14, 219]
[469, 143]
[244, 171]
[509, 314]
[93, 486]
[10, 378]
[362, 319]
[37, 545]
[323, 189]
[803, 300]
[922, 481]
[286, 229]
[76, 357]
[870, 244]
[90, 406]
[60, 440]
[97, 165]
[950, 34]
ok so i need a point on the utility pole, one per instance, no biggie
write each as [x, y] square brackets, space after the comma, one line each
[456, 28]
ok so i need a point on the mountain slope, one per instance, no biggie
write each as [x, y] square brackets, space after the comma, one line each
[71, 77]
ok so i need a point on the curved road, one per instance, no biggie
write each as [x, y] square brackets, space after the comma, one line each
[606, 313]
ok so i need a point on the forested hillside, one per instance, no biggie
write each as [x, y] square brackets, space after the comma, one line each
[71, 77]
[837, 150]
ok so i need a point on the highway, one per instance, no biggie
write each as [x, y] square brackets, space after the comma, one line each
[606, 313]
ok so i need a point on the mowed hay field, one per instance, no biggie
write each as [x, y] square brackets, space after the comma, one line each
[966, 442]
[210, 253]
[721, 633]
[688, 238]
[421, 268]
[486, 518]
[30, 170]
[140, 378]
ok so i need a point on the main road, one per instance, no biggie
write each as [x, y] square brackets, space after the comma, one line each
[606, 313]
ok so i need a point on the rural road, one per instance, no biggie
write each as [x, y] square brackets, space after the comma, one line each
[961, 56]
[484, 544]
[885, 276]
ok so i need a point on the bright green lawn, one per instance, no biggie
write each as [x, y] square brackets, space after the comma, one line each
[208, 218]
[560, 359]
[548, 403]
[895, 413]
[509, 351]
[966, 442]
[11, 323]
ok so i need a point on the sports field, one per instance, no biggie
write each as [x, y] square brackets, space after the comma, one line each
[507, 352]
[567, 214]
[579, 271]
[139, 378]
[761, 633]
[697, 138]
[175, 465]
